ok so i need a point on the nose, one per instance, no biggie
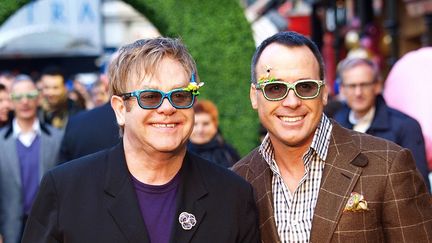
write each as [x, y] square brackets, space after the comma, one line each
[291, 100]
[358, 90]
[166, 107]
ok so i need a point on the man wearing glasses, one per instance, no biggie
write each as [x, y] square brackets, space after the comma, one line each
[148, 188]
[366, 110]
[28, 148]
[314, 180]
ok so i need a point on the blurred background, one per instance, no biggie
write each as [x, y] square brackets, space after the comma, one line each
[80, 36]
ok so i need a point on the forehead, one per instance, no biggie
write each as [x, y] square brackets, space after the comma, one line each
[169, 73]
[284, 58]
[24, 85]
[52, 79]
[359, 72]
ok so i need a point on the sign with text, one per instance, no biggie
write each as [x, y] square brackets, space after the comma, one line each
[53, 28]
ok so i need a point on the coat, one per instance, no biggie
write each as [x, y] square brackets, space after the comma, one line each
[397, 127]
[88, 132]
[11, 199]
[92, 199]
[399, 205]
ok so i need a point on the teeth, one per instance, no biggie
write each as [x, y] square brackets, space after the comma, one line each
[291, 119]
[171, 125]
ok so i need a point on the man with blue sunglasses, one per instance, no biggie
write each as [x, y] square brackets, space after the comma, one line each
[148, 188]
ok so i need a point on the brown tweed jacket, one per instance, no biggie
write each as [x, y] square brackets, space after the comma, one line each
[400, 208]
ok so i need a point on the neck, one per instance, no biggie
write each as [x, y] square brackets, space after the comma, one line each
[289, 160]
[26, 125]
[153, 168]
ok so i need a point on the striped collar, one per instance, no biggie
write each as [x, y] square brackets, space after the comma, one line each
[320, 142]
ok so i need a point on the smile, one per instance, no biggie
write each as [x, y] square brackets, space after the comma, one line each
[164, 125]
[291, 119]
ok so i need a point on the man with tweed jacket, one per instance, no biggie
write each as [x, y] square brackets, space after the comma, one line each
[315, 181]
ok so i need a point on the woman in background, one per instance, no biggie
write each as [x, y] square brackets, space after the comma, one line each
[206, 139]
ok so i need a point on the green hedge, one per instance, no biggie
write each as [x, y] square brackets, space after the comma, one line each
[220, 39]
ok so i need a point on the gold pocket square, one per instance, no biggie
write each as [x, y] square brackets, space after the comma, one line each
[356, 203]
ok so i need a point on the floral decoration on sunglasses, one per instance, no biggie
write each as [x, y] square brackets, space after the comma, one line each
[182, 98]
[194, 86]
[275, 90]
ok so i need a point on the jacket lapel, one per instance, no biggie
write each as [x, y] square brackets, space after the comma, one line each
[344, 165]
[11, 156]
[120, 198]
[191, 194]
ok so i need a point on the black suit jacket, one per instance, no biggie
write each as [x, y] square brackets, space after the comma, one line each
[89, 132]
[92, 200]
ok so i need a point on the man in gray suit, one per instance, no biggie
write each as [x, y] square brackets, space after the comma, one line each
[28, 149]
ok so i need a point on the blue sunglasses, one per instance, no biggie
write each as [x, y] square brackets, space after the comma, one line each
[153, 98]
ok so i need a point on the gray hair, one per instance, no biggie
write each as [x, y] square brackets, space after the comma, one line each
[349, 63]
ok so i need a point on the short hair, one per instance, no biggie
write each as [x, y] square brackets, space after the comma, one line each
[289, 39]
[54, 71]
[97, 83]
[208, 107]
[142, 58]
[22, 77]
[352, 62]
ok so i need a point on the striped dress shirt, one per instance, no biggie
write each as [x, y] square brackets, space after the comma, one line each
[294, 210]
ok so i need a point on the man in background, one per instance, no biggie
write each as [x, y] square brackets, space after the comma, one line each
[5, 106]
[88, 132]
[99, 93]
[28, 149]
[365, 110]
[56, 106]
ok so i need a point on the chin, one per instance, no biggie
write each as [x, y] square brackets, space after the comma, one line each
[169, 147]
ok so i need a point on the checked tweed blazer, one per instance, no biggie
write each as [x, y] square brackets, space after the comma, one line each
[400, 208]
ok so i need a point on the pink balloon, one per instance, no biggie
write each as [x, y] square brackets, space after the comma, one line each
[408, 88]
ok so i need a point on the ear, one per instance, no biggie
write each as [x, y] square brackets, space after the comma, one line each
[119, 108]
[253, 97]
[325, 94]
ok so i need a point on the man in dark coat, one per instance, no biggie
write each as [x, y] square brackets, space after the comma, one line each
[88, 132]
[365, 110]
[148, 188]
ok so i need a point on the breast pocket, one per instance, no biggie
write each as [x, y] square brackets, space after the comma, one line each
[358, 221]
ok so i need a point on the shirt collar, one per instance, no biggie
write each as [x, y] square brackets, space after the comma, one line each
[363, 123]
[320, 142]
[18, 131]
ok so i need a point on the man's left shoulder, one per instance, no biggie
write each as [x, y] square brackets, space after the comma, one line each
[402, 118]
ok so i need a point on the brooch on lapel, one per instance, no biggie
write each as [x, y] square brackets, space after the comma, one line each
[187, 220]
[356, 203]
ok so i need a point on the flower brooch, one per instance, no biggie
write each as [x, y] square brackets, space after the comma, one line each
[187, 220]
[356, 203]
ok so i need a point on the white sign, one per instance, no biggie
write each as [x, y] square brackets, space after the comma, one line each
[53, 28]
